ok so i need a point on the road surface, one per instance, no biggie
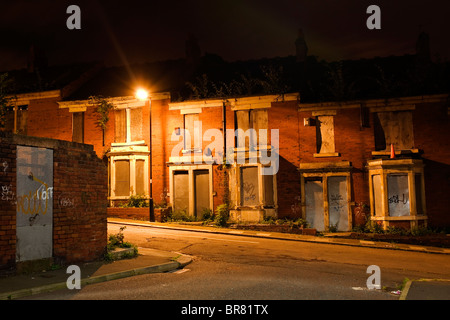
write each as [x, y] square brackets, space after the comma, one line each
[233, 267]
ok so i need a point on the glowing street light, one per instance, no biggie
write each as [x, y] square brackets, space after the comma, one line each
[142, 94]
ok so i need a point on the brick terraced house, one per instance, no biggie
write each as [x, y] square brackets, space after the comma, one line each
[326, 160]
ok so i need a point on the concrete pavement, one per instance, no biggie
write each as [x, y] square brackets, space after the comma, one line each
[148, 261]
[426, 289]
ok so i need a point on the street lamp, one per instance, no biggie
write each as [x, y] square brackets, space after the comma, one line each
[143, 95]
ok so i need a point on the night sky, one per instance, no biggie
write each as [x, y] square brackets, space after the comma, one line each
[120, 32]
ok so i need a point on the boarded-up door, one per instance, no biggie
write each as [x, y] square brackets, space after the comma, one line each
[34, 224]
[181, 191]
[249, 186]
[314, 204]
[338, 202]
[201, 181]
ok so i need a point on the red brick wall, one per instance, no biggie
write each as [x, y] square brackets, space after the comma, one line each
[284, 117]
[355, 144]
[130, 213]
[46, 119]
[432, 135]
[163, 125]
[8, 207]
[79, 200]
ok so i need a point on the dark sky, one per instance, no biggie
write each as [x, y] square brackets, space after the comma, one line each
[128, 31]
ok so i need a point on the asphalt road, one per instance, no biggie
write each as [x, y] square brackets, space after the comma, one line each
[233, 267]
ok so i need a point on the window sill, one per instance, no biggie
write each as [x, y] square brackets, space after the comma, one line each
[126, 144]
[399, 218]
[326, 155]
[192, 151]
[397, 152]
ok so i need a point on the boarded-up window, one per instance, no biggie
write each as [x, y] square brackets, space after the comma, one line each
[242, 122]
[325, 134]
[255, 119]
[139, 176]
[122, 168]
[249, 186]
[396, 128]
[22, 118]
[259, 122]
[78, 127]
[189, 126]
[398, 195]
[136, 124]
[120, 129]
[377, 195]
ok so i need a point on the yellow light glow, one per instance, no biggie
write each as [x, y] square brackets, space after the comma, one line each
[142, 94]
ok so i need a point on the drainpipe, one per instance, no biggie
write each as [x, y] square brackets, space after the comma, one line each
[225, 178]
[224, 126]
[151, 205]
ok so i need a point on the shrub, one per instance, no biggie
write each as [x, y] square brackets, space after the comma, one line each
[180, 215]
[221, 215]
[136, 201]
[117, 241]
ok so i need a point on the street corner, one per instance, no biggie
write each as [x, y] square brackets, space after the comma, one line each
[426, 289]
[183, 260]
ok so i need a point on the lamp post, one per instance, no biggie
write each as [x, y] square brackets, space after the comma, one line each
[143, 95]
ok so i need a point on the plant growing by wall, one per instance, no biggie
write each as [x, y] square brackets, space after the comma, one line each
[103, 107]
[117, 241]
[221, 215]
[136, 201]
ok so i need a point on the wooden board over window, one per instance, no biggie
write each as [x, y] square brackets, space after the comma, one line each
[78, 127]
[252, 119]
[120, 118]
[139, 176]
[325, 134]
[189, 126]
[398, 129]
[122, 178]
[259, 121]
[136, 124]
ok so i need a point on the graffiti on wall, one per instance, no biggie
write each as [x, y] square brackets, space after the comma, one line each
[35, 201]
